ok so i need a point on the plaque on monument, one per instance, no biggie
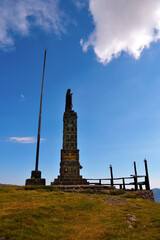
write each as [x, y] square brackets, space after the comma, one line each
[69, 165]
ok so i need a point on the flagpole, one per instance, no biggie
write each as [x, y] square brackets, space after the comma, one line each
[40, 114]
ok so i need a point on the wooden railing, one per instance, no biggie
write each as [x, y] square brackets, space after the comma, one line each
[133, 180]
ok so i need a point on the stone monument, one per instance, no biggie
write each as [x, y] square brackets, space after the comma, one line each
[69, 166]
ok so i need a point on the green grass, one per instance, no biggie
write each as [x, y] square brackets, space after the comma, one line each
[36, 213]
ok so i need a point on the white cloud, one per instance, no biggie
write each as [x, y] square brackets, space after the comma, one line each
[22, 96]
[18, 16]
[80, 3]
[123, 25]
[23, 139]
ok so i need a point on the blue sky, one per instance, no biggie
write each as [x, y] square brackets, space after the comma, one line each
[115, 85]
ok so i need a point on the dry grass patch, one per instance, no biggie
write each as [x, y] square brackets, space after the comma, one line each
[45, 213]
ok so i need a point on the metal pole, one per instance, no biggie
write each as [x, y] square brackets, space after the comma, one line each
[111, 172]
[147, 176]
[40, 112]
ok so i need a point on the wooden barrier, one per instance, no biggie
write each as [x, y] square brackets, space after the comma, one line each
[134, 180]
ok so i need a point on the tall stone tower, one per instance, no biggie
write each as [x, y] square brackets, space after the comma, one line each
[69, 166]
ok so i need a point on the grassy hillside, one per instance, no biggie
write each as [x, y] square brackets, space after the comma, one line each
[46, 213]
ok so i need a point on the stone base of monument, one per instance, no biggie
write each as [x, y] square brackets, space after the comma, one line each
[84, 188]
[35, 179]
[70, 180]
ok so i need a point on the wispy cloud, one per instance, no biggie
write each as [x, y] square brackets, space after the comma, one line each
[80, 3]
[22, 96]
[23, 139]
[123, 25]
[18, 16]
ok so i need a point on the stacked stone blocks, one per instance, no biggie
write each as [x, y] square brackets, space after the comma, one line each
[69, 166]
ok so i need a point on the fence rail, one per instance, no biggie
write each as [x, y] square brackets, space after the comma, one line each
[136, 183]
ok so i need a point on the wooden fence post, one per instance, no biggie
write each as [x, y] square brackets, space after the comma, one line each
[111, 172]
[135, 177]
[135, 183]
[123, 183]
[147, 176]
[135, 169]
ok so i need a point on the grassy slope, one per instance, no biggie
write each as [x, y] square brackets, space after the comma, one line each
[50, 215]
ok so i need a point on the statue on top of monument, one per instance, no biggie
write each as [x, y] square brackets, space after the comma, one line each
[69, 105]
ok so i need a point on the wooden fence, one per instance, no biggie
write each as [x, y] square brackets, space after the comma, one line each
[137, 181]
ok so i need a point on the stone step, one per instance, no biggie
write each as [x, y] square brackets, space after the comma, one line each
[69, 182]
